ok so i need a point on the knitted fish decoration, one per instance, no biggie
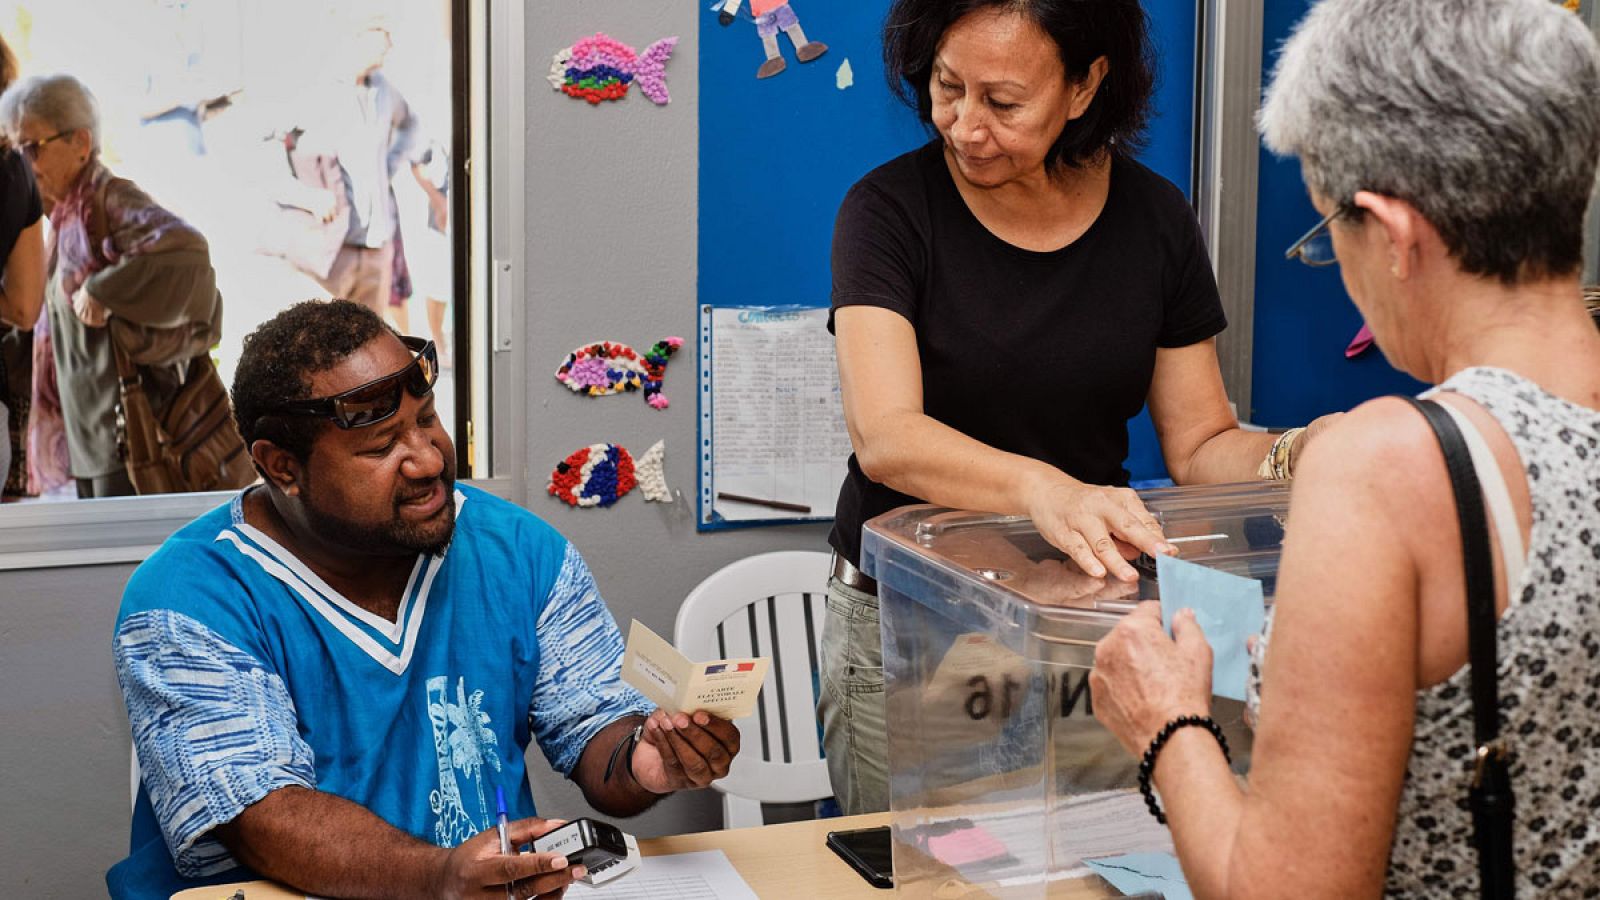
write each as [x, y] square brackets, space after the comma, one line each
[599, 474]
[607, 367]
[600, 68]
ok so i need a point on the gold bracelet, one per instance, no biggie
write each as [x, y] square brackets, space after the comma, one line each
[1290, 438]
[1275, 467]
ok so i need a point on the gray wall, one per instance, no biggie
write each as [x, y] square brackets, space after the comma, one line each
[63, 733]
[624, 175]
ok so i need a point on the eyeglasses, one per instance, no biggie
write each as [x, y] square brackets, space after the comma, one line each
[1315, 247]
[378, 399]
[30, 149]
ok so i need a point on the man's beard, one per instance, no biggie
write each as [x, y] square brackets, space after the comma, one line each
[396, 537]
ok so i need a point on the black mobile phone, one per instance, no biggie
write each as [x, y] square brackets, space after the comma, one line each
[867, 851]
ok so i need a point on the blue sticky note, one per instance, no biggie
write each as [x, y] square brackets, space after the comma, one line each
[1229, 609]
[1143, 873]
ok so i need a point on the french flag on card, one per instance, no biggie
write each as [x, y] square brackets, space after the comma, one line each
[717, 669]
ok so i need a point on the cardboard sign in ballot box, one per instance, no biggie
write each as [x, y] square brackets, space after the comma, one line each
[1002, 783]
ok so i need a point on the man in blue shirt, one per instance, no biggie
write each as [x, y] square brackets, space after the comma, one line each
[329, 676]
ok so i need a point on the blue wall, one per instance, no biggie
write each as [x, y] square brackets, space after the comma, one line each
[777, 155]
[1303, 317]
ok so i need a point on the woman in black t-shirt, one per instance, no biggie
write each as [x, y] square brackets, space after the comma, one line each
[1004, 300]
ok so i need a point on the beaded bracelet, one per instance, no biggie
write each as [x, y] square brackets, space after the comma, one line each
[1147, 766]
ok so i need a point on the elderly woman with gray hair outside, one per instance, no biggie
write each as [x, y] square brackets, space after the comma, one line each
[1451, 154]
[122, 269]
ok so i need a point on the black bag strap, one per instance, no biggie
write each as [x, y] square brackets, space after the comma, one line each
[1490, 797]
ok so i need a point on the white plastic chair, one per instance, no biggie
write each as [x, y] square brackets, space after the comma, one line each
[772, 605]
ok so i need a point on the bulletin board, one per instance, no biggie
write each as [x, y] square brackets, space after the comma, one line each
[777, 155]
[776, 158]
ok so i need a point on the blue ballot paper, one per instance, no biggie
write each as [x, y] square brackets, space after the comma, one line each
[1229, 609]
[1144, 874]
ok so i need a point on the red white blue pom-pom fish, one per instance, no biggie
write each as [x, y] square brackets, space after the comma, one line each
[600, 474]
[607, 367]
[600, 68]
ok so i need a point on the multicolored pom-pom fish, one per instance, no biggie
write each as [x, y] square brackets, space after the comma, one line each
[607, 367]
[599, 474]
[600, 68]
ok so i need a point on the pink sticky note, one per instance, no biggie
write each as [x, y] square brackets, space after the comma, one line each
[968, 845]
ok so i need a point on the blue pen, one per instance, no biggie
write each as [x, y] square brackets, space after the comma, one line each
[500, 825]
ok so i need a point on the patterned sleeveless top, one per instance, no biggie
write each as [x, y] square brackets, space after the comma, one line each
[1549, 673]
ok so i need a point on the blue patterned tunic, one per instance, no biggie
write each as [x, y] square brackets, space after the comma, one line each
[244, 672]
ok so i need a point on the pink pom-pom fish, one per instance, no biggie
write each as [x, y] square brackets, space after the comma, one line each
[601, 68]
[607, 367]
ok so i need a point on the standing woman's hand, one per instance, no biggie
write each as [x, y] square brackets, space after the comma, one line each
[1143, 679]
[1100, 528]
[89, 310]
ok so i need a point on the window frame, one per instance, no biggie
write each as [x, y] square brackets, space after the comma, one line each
[1228, 153]
[128, 529]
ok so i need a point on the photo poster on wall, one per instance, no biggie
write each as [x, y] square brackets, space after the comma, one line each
[778, 153]
[773, 442]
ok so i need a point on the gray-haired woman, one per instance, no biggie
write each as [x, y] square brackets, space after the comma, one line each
[1452, 155]
[122, 269]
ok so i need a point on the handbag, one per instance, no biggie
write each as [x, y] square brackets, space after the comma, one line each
[1489, 796]
[193, 446]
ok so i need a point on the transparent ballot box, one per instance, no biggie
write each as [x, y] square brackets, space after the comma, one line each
[1001, 780]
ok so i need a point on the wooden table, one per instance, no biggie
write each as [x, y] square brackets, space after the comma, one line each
[780, 861]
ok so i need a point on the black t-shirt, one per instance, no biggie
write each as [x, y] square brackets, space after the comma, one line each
[19, 200]
[1047, 355]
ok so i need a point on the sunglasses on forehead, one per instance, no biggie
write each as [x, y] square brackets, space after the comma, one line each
[378, 399]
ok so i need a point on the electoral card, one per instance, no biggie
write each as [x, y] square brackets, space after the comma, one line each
[726, 688]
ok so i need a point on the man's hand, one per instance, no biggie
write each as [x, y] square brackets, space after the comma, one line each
[89, 310]
[324, 845]
[684, 751]
[477, 868]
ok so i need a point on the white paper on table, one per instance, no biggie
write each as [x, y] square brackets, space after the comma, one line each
[705, 875]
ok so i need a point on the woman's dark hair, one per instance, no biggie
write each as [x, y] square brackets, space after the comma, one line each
[1084, 30]
[282, 355]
